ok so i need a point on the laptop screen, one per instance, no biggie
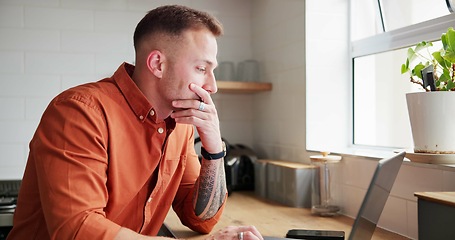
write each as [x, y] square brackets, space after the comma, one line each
[376, 197]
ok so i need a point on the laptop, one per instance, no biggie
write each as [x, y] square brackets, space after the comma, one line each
[372, 205]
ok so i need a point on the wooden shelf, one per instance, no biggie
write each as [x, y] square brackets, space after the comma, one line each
[242, 87]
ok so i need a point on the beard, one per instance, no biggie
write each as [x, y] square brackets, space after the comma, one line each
[175, 87]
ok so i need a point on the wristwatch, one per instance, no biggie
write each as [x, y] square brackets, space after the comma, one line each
[213, 156]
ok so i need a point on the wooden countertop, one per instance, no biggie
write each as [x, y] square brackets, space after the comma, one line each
[271, 219]
[446, 198]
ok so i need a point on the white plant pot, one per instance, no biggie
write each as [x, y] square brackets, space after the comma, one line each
[432, 117]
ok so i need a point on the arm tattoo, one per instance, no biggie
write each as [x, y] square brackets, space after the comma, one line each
[210, 189]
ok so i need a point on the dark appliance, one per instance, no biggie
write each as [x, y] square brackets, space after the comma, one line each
[238, 165]
[9, 189]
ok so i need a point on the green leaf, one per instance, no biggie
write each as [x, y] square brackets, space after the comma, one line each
[444, 78]
[437, 56]
[445, 74]
[417, 70]
[450, 39]
[450, 56]
[448, 42]
[438, 83]
[444, 41]
[450, 84]
[422, 45]
[404, 69]
[411, 55]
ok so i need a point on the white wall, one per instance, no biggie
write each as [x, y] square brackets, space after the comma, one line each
[279, 45]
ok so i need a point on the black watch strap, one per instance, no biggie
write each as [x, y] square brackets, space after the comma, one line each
[213, 156]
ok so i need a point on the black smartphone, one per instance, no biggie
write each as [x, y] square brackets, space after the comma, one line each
[315, 234]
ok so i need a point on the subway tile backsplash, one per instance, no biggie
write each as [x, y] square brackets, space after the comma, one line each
[21, 39]
[58, 18]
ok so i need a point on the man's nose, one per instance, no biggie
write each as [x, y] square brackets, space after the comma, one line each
[210, 83]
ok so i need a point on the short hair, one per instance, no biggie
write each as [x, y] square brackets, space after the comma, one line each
[173, 20]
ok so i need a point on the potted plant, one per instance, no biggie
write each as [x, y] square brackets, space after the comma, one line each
[432, 112]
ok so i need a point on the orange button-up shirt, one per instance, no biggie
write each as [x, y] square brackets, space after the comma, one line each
[100, 160]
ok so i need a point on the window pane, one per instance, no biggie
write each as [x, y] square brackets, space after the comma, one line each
[402, 13]
[380, 110]
[365, 20]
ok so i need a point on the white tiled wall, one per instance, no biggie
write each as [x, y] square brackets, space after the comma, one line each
[278, 37]
[47, 46]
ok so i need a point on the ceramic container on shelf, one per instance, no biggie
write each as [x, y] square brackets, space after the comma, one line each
[248, 71]
[225, 71]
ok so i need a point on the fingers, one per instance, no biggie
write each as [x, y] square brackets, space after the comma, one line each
[193, 104]
[202, 93]
[204, 104]
[203, 116]
[238, 233]
[250, 233]
[201, 106]
[195, 111]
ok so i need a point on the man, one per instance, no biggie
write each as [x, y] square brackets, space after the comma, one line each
[108, 159]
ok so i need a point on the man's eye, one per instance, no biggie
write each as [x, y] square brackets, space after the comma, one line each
[201, 69]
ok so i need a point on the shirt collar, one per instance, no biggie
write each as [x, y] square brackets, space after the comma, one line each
[135, 98]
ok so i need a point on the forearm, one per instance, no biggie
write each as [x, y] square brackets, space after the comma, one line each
[210, 188]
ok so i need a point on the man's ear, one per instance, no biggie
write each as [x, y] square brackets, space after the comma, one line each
[155, 63]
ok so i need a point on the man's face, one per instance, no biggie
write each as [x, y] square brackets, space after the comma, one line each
[193, 62]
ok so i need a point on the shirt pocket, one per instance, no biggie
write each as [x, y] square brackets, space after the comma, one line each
[173, 165]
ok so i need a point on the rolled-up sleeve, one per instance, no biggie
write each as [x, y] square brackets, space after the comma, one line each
[186, 214]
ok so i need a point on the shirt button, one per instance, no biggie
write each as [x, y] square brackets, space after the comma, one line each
[149, 200]
[152, 113]
[141, 117]
[160, 130]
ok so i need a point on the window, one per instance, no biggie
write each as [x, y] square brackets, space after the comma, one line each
[354, 51]
[380, 112]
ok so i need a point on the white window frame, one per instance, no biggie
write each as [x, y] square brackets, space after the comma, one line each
[404, 37]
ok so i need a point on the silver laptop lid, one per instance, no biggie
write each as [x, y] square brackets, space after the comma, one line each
[376, 197]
